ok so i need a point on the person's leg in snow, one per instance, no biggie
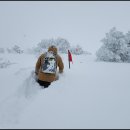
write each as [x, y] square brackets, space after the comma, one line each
[44, 83]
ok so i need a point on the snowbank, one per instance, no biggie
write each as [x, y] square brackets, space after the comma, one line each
[89, 95]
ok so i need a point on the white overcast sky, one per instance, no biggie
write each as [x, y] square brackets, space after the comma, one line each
[81, 22]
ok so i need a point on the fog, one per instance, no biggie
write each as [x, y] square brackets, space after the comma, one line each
[26, 23]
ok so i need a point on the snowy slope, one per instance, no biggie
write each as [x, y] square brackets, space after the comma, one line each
[89, 95]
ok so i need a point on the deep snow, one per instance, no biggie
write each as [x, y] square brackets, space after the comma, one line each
[89, 95]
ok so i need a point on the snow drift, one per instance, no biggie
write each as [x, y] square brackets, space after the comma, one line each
[88, 95]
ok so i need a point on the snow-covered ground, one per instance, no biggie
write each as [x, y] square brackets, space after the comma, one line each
[89, 95]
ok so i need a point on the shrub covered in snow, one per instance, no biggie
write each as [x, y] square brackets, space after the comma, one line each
[15, 49]
[62, 44]
[114, 48]
[5, 64]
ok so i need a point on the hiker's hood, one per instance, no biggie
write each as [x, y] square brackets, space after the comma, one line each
[54, 49]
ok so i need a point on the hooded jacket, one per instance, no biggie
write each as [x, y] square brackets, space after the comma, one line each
[44, 76]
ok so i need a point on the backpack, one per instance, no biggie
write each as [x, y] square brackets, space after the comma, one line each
[49, 63]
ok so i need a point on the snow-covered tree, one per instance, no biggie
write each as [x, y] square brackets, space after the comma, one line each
[17, 49]
[45, 43]
[103, 54]
[62, 44]
[114, 47]
[127, 39]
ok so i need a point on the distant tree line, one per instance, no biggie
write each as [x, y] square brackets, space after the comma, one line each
[62, 45]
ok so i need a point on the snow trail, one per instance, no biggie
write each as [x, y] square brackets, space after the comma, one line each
[12, 106]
